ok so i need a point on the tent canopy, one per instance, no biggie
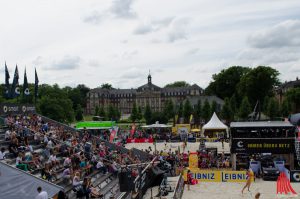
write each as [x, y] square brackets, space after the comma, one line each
[157, 125]
[19, 184]
[214, 124]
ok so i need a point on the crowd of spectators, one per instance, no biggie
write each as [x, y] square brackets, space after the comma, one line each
[64, 156]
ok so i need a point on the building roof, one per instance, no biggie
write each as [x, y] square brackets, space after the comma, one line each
[291, 84]
[260, 124]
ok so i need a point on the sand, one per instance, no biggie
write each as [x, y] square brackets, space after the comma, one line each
[225, 190]
[215, 190]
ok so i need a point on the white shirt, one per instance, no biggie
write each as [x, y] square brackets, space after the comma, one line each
[52, 158]
[50, 144]
[67, 161]
[18, 160]
[42, 195]
[99, 165]
[7, 134]
[2, 155]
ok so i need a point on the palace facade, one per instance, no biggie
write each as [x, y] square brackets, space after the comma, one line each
[123, 99]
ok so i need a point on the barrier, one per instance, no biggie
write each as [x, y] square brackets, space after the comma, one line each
[217, 175]
[140, 140]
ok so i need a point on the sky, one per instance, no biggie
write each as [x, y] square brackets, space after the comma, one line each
[93, 42]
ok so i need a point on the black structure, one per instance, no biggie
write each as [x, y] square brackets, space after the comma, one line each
[276, 137]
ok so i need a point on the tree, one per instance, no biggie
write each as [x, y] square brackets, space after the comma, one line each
[111, 112]
[285, 108]
[97, 110]
[177, 84]
[226, 112]
[148, 114]
[258, 83]
[224, 83]
[245, 109]
[101, 112]
[117, 115]
[206, 111]
[78, 113]
[233, 105]
[265, 104]
[134, 113]
[273, 108]
[180, 110]
[169, 109]
[198, 111]
[106, 86]
[158, 117]
[139, 114]
[187, 110]
[293, 96]
[213, 108]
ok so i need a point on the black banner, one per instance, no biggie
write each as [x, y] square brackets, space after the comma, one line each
[277, 146]
[295, 175]
[15, 109]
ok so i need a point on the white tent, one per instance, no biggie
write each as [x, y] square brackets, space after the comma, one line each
[157, 125]
[215, 124]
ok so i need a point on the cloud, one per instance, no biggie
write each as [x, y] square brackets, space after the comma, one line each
[284, 34]
[94, 18]
[65, 63]
[153, 26]
[192, 51]
[178, 30]
[122, 9]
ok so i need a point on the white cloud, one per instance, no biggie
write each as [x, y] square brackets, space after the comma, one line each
[187, 40]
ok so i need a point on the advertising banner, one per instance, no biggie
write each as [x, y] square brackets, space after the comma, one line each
[140, 140]
[217, 175]
[270, 145]
[295, 175]
[15, 109]
[193, 160]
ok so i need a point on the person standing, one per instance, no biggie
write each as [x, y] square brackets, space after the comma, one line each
[189, 178]
[250, 175]
[42, 194]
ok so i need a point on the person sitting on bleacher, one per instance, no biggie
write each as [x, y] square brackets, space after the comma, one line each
[100, 166]
[7, 135]
[53, 160]
[46, 173]
[67, 174]
[20, 163]
[2, 154]
[13, 146]
[67, 162]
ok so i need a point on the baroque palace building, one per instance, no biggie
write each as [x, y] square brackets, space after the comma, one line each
[123, 99]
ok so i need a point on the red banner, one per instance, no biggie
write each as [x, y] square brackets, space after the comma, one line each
[140, 140]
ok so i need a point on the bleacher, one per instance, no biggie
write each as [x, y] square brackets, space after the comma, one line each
[106, 183]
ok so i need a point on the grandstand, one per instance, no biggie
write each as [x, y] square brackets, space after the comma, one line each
[106, 184]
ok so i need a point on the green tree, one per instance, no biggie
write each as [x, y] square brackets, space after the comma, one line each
[226, 112]
[206, 111]
[97, 110]
[258, 83]
[148, 114]
[214, 108]
[198, 111]
[101, 112]
[224, 83]
[245, 109]
[293, 96]
[285, 108]
[273, 108]
[180, 110]
[169, 109]
[106, 86]
[158, 117]
[177, 84]
[78, 113]
[111, 112]
[134, 113]
[187, 110]
[117, 115]
[139, 114]
[265, 104]
[233, 105]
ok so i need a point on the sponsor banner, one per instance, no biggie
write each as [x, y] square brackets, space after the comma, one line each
[276, 146]
[217, 175]
[193, 160]
[179, 189]
[295, 175]
[14, 109]
[140, 140]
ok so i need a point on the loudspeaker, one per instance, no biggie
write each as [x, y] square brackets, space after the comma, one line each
[126, 181]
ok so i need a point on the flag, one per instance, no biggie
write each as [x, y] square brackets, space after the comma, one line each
[26, 91]
[6, 89]
[15, 88]
[36, 85]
